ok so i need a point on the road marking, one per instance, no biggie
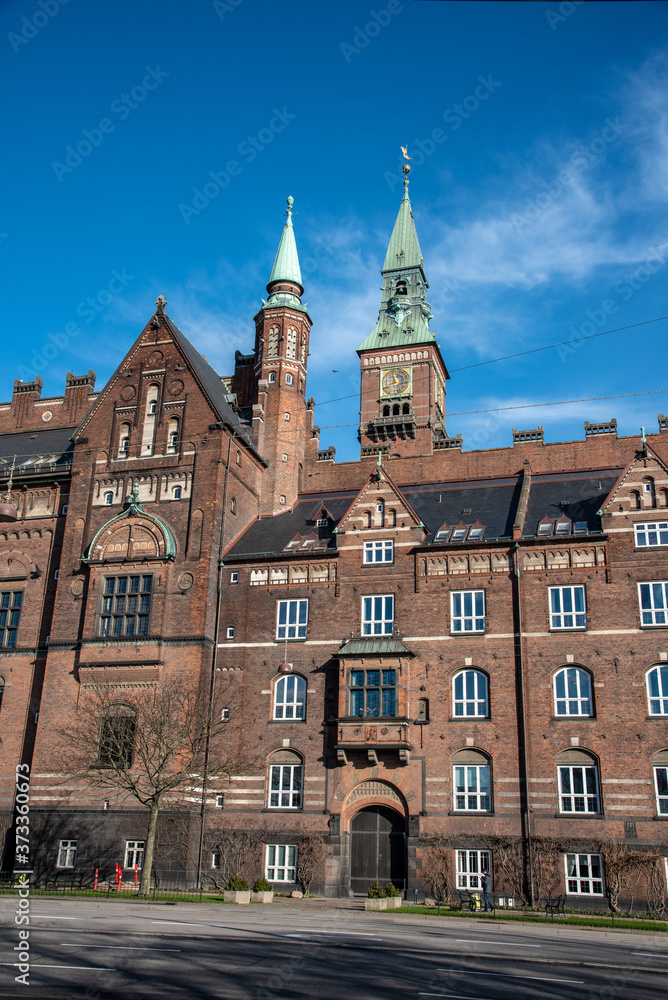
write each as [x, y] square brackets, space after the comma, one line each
[87, 968]
[345, 933]
[183, 923]
[117, 947]
[454, 996]
[510, 944]
[651, 954]
[507, 975]
[48, 916]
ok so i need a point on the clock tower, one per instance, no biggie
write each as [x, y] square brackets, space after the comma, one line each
[402, 405]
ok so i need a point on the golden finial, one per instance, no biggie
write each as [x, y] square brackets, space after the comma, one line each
[406, 169]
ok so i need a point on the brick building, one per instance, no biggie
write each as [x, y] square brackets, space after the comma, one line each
[472, 647]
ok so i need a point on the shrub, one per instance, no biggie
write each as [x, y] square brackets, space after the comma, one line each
[261, 885]
[391, 890]
[376, 891]
[236, 883]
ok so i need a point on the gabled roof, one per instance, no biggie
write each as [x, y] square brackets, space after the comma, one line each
[380, 475]
[642, 455]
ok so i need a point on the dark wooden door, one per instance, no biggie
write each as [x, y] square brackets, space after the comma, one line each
[377, 848]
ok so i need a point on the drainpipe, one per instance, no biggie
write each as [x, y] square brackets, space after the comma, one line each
[522, 725]
[214, 658]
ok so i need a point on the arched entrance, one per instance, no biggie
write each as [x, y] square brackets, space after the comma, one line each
[377, 848]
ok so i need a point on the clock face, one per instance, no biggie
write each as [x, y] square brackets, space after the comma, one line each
[396, 382]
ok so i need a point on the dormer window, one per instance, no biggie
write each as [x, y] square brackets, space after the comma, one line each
[458, 535]
[545, 527]
[580, 527]
[476, 533]
[563, 527]
[442, 535]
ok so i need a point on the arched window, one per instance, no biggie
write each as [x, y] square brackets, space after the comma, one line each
[289, 380]
[272, 343]
[577, 771]
[286, 780]
[572, 692]
[386, 411]
[291, 343]
[392, 518]
[116, 740]
[660, 767]
[290, 697]
[272, 376]
[470, 694]
[108, 498]
[124, 441]
[177, 492]
[379, 519]
[233, 505]
[472, 781]
[148, 432]
[657, 690]
[635, 501]
[173, 436]
[367, 518]
[406, 408]
[395, 410]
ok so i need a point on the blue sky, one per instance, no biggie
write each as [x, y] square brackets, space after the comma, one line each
[539, 137]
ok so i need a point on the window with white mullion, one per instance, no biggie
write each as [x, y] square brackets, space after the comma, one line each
[467, 611]
[661, 787]
[470, 696]
[472, 788]
[281, 865]
[291, 619]
[379, 552]
[67, 854]
[584, 874]
[651, 534]
[653, 599]
[578, 789]
[657, 690]
[470, 866]
[567, 608]
[285, 786]
[290, 697]
[572, 692]
[378, 615]
[134, 854]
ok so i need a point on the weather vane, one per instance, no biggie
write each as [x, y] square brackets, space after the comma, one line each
[406, 169]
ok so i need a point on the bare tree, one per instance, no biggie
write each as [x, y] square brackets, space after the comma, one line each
[436, 869]
[622, 867]
[508, 856]
[311, 854]
[547, 865]
[154, 744]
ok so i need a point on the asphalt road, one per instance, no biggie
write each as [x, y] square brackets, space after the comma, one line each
[117, 950]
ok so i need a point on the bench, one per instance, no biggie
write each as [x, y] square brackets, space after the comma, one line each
[65, 880]
[555, 904]
[467, 901]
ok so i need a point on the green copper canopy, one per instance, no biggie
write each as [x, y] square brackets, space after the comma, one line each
[404, 248]
[286, 263]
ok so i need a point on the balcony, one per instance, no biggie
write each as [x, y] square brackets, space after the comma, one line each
[384, 736]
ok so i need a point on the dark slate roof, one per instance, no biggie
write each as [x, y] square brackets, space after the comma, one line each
[50, 446]
[212, 385]
[270, 535]
[492, 504]
[373, 645]
[583, 493]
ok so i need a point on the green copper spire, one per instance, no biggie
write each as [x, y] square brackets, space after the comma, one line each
[404, 315]
[404, 248]
[286, 263]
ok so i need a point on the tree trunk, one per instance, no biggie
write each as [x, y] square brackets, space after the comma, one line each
[149, 847]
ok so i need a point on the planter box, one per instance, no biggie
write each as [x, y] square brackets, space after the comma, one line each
[237, 896]
[262, 897]
[375, 904]
[394, 902]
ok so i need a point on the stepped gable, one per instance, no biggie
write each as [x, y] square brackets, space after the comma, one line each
[577, 497]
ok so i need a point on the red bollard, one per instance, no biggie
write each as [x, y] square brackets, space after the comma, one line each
[95, 882]
[136, 879]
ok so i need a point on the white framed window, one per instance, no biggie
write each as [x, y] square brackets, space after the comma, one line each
[290, 697]
[289, 380]
[322, 522]
[291, 619]
[572, 692]
[661, 787]
[657, 690]
[108, 498]
[231, 631]
[470, 866]
[286, 416]
[378, 552]
[281, 863]
[124, 440]
[153, 406]
[578, 788]
[470, 694]
[378, 615]
[220, 800]
[134, 854]
[272, 376]
[177, 492]
[563, 527]
[64, 510]
[472, 785]
[567, 608]
[173, 436]
[67, 854]
[467, 611]
[651, 534]
[584, 874]
[215, 859]
[286, 781]
[458, 534]
[234, 577]
[653, 598]
[224, 715]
